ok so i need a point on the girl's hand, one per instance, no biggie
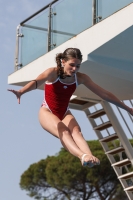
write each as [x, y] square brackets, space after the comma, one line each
[17, 93]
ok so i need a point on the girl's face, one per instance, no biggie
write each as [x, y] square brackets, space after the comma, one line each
[71, 66]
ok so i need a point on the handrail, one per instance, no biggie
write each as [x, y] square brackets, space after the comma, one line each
[50, 33]
[38, 12]
[45, 29]
[125, 121]
[35, 27]
[128, 113]
[131, 102]
[48, 29]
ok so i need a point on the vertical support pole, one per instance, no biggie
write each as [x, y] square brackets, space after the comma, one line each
[17, 58]
[49, 29]
[96, 11]
[93, 12]
[16, 49]
[99, 10]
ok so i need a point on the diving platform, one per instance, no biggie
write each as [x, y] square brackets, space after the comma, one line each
[107, 49]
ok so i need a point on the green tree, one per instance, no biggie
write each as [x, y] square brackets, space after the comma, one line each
[63, 177]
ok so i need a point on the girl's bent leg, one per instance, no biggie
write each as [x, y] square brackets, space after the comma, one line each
[56, 127]
[75, 130]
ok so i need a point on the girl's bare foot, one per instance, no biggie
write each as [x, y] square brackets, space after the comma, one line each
[89, 160]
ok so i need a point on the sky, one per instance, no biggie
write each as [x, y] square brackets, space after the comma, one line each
[22, 140]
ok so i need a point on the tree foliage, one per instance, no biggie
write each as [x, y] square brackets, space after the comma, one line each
[63, 177]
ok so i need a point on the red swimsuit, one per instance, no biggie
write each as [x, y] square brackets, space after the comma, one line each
[57, 96]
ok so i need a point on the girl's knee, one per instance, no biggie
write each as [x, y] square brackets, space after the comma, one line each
[62, 129]
[76, 131]
[66, 132]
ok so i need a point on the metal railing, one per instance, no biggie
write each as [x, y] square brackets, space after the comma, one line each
[130, 118]
[48, 30]
[125, 119]
[54, 24]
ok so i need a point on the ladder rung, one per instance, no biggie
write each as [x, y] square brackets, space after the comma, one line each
[109, 138]
[103, 126]
[115, 151]
[129, 189]
[126, 176]
[97, 114]
[122, 163]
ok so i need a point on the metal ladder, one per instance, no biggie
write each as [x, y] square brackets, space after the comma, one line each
[114, 131]
[125, 147]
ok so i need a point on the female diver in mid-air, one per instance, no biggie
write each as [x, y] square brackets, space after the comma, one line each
[54, 115]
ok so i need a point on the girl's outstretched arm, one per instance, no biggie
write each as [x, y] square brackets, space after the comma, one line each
[34, 83]
[104, 94]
